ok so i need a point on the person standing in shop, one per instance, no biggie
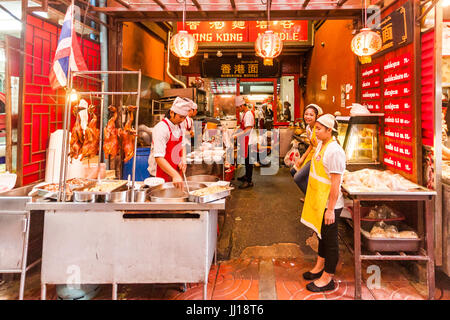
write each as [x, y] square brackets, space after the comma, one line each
[187, 126]
[324, 202]
[300, 171]
[246, 124]
[167, 144]
[268, 117]
[287, 111]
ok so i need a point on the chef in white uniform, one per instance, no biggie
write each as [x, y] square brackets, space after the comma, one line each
[187, 126]
[168, 158]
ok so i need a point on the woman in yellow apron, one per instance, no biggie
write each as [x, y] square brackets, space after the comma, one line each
[300, 170]
[324, 203]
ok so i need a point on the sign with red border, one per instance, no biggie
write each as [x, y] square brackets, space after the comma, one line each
[399, 120]
[397, 76]
[370, 71]
[401, 90]
[397, 62]
[371, 83]
[398, 163]
[398, 134]
[398, 105]
[373, 105]
[401, 149]
[371, 94]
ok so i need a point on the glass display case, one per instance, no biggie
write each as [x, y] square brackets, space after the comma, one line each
[359, 136]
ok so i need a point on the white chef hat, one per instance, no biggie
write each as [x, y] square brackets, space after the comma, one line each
[239, 101]
[328, 120]
[181, 106]
[315, 106]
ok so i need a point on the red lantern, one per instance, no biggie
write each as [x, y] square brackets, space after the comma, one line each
[184, 46]
[366, 43]
[268, 45]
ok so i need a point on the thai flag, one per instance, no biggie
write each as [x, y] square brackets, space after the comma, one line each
[68, 53]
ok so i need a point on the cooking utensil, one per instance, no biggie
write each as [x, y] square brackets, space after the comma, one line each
[139, 195]
[174, 194]
[203, 178]
[185, 181]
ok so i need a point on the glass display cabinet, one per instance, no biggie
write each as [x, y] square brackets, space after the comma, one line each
[359, 136]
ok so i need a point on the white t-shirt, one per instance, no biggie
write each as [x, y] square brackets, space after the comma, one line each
[309, 131]
[249, 120]
[334, 161]
[161, 135]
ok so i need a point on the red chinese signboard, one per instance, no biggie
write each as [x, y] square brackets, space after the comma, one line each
[398, 76]
[245, 31]
[371, 71]
[397, 62]
[398, 105]
[371, 94]
[397, 91]
[371, 83]
[373, 105]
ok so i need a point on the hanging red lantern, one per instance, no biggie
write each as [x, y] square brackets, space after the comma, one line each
[184, 46]
[366, 43]
[268, 45]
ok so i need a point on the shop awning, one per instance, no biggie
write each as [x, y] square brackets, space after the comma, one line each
[223, 10]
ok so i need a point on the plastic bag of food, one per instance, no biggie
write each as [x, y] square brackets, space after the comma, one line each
[292, 155]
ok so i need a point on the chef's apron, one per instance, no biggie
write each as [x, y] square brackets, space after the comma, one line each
[314, 142]
[247, 136]
[317, 193]
[171, 145]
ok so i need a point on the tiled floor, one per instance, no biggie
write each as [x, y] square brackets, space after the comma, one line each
[240, 279]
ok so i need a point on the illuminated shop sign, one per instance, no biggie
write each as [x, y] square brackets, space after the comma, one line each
[246, 31]
[371, 71]
[398, 105]
[371, 83]
[401, 164]
[239, 68]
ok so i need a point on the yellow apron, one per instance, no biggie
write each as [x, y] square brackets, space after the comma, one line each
[313, 141]
[317, 193]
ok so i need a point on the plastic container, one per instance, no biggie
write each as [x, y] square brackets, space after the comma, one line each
[141, 165]
[229, 173]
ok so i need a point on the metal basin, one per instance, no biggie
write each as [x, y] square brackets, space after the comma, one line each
[117, 196]
[83, 197]
[167, 192]
[140, 195]
[203, 178]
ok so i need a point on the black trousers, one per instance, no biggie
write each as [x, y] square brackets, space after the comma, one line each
[329, 244]
[248, 167]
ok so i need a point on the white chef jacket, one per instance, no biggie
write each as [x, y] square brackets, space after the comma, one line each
[161, 135]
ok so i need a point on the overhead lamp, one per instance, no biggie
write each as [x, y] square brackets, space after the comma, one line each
[183, 45]
[73, 96]
[268, 45]
[366, 42]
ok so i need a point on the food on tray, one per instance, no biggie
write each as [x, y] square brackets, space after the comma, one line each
[107, 186]
[209, 190]
[367, 180]
[408, 234]
[382, 212]
[111, 142]
[78, 181]
[53, 187]
[382, 230]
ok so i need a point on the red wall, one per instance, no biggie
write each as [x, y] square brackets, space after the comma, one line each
[43, 107]
[334, 59]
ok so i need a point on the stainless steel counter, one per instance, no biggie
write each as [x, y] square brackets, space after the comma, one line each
[129, 206]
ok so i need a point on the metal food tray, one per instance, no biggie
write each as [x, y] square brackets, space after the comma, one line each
[210, 197]
[99, 193]
[390, 244]
[419, 191]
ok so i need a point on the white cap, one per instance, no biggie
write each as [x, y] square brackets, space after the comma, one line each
[181, 106]
[328, 120]
[193, 104]
[315, 106]
[239, 101]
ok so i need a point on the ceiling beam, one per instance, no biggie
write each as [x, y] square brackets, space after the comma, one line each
[199, 8]
[305, 3]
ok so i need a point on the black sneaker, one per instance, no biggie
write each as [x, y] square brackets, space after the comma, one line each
[246, 185]
[312, 276]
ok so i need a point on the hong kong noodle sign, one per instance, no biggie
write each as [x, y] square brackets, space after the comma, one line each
[239, 68]
[294, 31]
